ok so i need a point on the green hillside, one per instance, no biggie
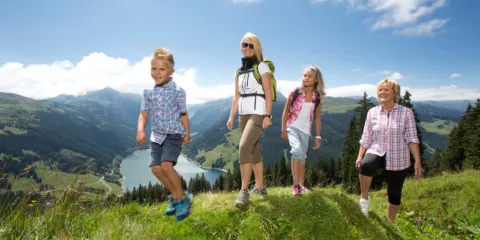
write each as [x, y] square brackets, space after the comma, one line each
[444, 207]
[442, 127]
[86, 127]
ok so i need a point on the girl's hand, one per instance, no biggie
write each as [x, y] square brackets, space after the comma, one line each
[317, 143]
[284, 134]
[266, 122]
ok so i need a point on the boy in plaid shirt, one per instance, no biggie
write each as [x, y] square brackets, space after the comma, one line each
[166, 103]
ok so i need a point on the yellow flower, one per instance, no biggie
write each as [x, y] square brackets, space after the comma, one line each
[30, 205]
[34, 201]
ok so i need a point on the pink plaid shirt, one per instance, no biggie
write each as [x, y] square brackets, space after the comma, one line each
[390, 133]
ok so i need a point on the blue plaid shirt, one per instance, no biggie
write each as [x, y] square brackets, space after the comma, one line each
[165, 105]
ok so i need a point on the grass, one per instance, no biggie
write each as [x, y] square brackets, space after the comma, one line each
[442, 127]
[448, 205]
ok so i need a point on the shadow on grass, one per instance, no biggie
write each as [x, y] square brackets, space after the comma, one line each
[352, 215]
[316, 215]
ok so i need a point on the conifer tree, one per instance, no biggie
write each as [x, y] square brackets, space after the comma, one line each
[454, 155]
[472, 136]
[407, 102]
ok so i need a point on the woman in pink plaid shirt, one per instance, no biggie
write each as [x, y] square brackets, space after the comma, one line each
[388, 137]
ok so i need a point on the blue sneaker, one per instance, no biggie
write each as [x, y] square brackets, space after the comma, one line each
[171, 207]
[183, 207]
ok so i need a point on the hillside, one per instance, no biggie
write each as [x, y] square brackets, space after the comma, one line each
[444, 207]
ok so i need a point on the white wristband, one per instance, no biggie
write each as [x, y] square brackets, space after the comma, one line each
[319, 137]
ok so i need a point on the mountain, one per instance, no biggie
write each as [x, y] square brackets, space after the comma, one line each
[84, 133]
[459, 105]
[215, 146]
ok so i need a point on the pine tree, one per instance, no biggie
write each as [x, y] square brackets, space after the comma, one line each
[454, 155]
[472, 137]
[407, 102]
[311, 174]
[432, 164]
[351, 145]
[282, 171]
[361, 110]
[349, 151]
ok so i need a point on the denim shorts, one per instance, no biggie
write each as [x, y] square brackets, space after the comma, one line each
[168, 151]
[298, 143]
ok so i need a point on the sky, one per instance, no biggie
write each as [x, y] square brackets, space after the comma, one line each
[57, 47]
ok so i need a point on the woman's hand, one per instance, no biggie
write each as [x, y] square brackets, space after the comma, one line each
[357, 164]
[266, 122]
[230, 124]
[418, 169]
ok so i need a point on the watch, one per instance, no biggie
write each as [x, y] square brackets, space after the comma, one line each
[268, 115]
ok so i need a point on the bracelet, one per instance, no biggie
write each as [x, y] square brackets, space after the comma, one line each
[319, 137]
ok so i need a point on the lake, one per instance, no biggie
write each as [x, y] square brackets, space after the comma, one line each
[135, 170]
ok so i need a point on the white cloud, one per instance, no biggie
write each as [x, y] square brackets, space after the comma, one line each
[245, 1]
[355, 69]
[94, 72]
[399, 14]
[97, 71]
[455, 75]
[423, 29]
[388, 74]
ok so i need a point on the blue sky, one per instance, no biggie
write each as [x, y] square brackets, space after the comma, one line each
[71, 47]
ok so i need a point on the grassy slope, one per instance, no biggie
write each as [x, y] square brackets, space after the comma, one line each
[228, 150]
[449, 206]
[61, 180]
[442, 127]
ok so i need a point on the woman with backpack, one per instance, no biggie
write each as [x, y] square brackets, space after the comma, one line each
[303, 105]
[253, 101]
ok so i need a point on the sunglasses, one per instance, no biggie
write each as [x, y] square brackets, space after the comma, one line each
[247, 45]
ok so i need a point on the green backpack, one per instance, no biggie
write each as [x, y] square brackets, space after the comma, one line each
[258, 77]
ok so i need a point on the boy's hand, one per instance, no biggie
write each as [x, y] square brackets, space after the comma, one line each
[142, 138]
[186, 139]
[317, 143]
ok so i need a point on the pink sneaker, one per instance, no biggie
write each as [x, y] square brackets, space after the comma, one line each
[306, 188]
[297, 191]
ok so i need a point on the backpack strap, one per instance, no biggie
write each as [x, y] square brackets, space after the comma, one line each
[256, 74]
[295, 96]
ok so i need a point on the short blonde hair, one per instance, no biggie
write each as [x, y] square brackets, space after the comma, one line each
[319, 84]
[164, 54]
[257, 45]
[393, 85]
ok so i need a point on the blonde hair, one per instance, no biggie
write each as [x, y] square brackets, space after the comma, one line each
[257, 45]
[319, 84]
[164, 54]
[393, 85]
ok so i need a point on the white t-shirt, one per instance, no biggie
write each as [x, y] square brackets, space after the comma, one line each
[302, 122]
[247, 84]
